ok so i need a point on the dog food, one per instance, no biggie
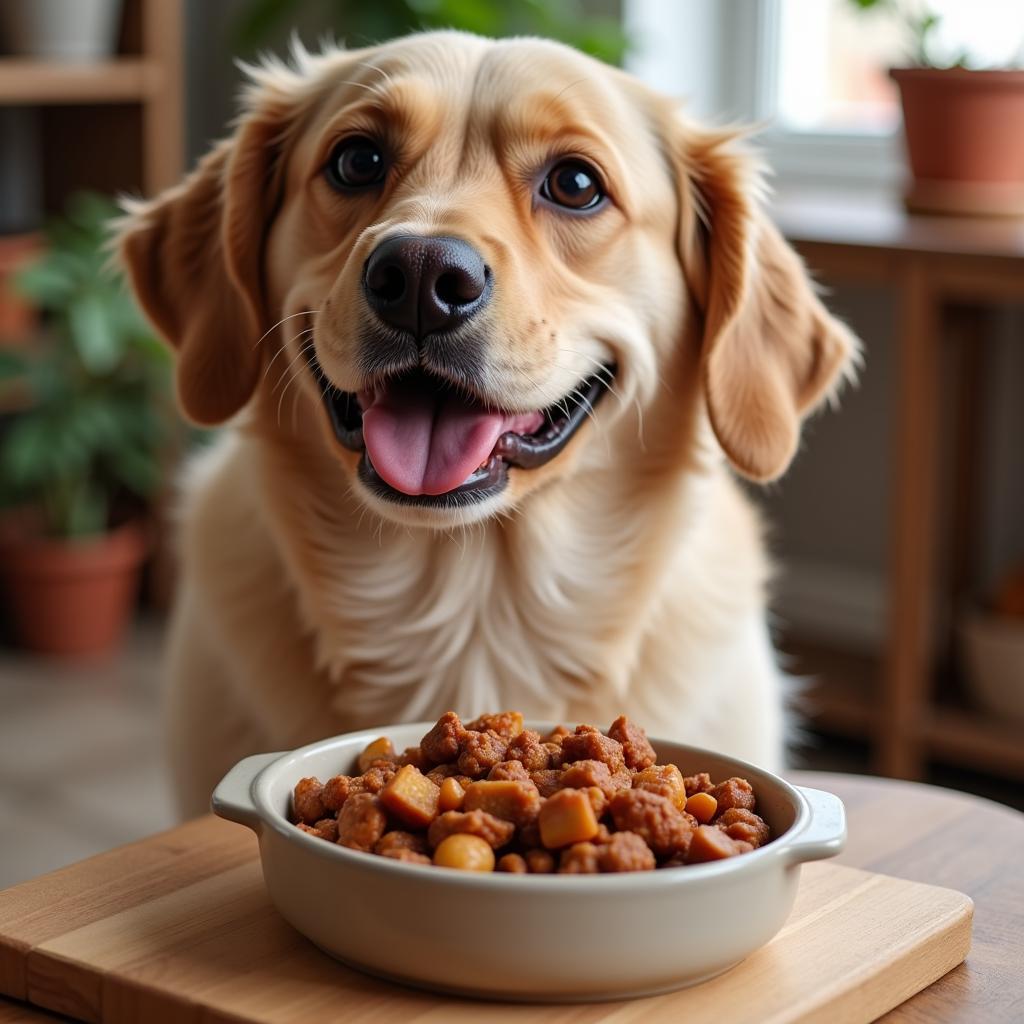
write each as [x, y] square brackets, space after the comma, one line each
[491, 795]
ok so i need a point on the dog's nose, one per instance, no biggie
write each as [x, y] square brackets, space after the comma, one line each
[421, 284]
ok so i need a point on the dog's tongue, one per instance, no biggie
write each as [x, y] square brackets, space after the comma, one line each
[424, 441]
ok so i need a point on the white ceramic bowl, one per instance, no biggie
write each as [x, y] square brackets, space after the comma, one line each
[528, 937]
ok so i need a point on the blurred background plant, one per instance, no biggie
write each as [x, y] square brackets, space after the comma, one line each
[365, 21]
[92, 393]
[922, 26]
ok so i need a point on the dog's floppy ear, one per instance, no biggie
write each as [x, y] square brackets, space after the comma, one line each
[194, 259]
[771, 352]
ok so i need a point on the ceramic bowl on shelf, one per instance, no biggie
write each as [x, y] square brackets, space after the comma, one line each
[528, 937]
[993, 656]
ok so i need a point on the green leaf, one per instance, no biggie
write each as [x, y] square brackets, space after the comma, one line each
[93, 334]
[85, 513]
[14, 365]
[47, 282]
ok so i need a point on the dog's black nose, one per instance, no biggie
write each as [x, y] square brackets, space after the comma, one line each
[420, 284]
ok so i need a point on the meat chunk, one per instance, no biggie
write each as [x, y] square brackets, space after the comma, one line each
[513, 863]
[588, 744]
[506, 723]
[408, 856]
[373, 780]
[335, 792]
[636, 749]
[508, 771]
[625, 851]
[398, 840]
[556, 735]
[699, 783]
[739, 823]
[413, 756]
[528, 749]
[547, 780]
[579, 859]
[492, 830]
[361, 822]
[711, 843]
[307, 801]
[440, 772]
[325, 828]
[654, 818]
[665, 779]
[441, 744]
[587, 773]
[479, 752]
[734, 792]
[540, 862]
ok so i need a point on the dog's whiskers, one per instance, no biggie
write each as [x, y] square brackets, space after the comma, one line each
[291, 380]
[284, 348]
[284, 319]
[287, 371]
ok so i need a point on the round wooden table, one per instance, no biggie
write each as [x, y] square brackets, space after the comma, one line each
[927, 835]
[947, 838]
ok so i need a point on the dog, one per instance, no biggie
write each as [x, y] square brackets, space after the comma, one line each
[495, 327]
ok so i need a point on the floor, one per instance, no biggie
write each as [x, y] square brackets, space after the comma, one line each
[81, 767]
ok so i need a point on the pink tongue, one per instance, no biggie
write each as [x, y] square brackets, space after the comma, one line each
[423, 442]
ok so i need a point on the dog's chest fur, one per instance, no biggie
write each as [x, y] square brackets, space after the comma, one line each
[535, 613]
[521, 612]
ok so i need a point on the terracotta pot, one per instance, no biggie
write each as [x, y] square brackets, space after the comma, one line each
[74, 598]
[17, 317]
[965, 139]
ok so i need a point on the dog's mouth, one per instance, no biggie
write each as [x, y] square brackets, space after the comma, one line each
[425, 442]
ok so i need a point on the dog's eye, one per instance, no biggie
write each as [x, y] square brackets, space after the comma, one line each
[572, 184]
[355, 163]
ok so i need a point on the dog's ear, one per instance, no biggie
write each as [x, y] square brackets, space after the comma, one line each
[771, 352]
[194, 259]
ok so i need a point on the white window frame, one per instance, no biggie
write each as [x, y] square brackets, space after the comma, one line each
[724, 53]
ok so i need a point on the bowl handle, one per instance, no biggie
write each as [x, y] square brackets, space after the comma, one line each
[232, 799]
[825, 834]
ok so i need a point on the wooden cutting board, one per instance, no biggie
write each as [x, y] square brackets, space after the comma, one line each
[178, 927]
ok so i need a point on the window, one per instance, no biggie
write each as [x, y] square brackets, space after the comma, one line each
[813, 72]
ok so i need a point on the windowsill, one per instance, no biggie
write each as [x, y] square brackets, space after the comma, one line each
[867, 164]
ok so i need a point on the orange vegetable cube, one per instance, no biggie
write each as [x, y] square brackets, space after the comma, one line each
[380, 749]
[710, 843]
[702, 806]
[451, 797]
[509, 799]
[411, 797]
[567, 817]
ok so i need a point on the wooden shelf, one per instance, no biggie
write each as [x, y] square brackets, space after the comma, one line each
[28, 82]
[844, 701]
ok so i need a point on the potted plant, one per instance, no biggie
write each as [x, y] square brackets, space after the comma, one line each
[363, 21]
[67, 30]
[81, 451]
[964, 126]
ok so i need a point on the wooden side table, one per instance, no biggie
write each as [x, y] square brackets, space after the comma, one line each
[937, 266]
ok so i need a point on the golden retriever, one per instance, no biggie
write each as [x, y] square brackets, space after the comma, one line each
[490, 322]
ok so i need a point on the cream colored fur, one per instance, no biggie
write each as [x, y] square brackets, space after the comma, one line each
[628, 574]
